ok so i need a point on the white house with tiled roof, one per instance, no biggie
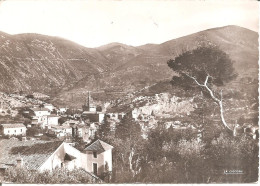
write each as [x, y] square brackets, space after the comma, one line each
[61, 131]
[39, 112]
[99, 157]
[48, 120]
[15, 129]
[47, 155]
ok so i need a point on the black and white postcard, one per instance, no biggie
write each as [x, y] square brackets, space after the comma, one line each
[127, 91]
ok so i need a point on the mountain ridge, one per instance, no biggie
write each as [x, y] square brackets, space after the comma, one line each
[63, 67]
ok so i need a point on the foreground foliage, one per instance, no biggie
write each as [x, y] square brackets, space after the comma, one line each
[13, 175]
[177, 156]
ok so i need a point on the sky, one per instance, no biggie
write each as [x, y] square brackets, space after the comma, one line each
[93, 23]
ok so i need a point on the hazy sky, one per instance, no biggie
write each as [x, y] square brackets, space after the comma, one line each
[93, 23]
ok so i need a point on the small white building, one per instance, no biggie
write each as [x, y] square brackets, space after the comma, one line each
[49, 106]
[116, 116]
[83, 132]
[51, 119]
[62, 110]
[39, 112]
[99, 157]
[39, 95]
[60, 131]
[16, 129]
[135, 114]
[71, 122]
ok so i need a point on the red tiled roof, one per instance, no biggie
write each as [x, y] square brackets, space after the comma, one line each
[99, 146]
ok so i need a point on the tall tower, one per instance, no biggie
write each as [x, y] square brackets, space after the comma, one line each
[88, 100]
[90, 107]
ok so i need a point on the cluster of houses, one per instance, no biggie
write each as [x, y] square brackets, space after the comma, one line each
[85, 125]
[95, 159]
[37, 154]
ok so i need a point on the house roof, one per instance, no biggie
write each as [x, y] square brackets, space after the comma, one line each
[60, 127]
[15, 125]
[48, 104]
[39, 109]
[89, 112]
[33, 153]
[52, 116]
[99, 146]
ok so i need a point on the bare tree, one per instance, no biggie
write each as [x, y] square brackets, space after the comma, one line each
[205, 67]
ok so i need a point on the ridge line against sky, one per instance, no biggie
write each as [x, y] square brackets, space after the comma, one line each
[94, 23]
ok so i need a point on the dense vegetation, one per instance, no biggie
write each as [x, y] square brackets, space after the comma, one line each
[205, 154]
[206, 67]
[177, 156]
[58, 176]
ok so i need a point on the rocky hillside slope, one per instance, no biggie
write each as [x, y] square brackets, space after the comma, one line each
[42, 63]
[67, 70]
[137, 67]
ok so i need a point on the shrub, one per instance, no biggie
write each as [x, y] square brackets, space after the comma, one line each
[58, 175]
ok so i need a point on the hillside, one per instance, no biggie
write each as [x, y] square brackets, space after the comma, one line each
[137, 67]
[41, 63]
[66, 70]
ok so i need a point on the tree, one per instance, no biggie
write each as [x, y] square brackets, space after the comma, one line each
[61, 120]
[106, 175]
[54, 111]
[128, 128]
[206, 67]
[41, 105]
[69, 112]
[29, 96]
[128, 149]
[32, 131]
[27, 121]
[104, 129]
[79, 143]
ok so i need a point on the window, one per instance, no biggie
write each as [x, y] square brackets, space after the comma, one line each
[95, 154]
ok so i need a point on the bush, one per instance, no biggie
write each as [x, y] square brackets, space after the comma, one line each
[172, 157]
[29, 96]
[57, 176]
[32, 131]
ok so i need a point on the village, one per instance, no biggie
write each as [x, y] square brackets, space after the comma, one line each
[43, 137]
[48, 135]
